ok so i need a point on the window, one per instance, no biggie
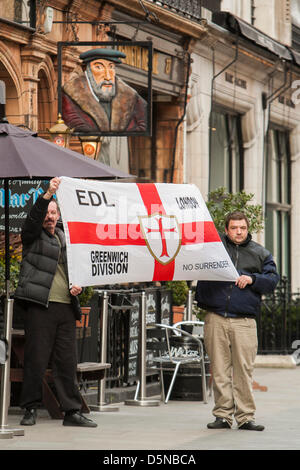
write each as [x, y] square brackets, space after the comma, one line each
[226, 152]
[278, 198]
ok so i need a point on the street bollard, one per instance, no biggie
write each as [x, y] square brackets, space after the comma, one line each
[101, 403]
[190, 305]
[5, 431]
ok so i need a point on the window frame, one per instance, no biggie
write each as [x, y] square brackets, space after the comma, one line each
[282, 207]
[238, 184]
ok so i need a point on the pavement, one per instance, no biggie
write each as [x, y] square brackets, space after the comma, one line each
[172, 429]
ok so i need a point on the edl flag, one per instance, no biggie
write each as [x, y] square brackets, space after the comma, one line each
[128, 232]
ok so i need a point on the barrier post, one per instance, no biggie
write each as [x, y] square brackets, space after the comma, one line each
[190, 305]
[5, 431]
[101, 403]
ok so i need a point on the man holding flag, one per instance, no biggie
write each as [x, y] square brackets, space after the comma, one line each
[51, 309]
[230, 333]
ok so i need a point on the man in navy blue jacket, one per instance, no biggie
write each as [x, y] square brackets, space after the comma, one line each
[230, 332]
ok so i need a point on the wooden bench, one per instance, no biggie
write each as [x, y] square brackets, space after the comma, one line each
[85, 371]
[91, 370]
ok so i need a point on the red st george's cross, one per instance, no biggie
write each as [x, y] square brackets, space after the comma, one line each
[161, 230]
[160, 251]
[132, 234]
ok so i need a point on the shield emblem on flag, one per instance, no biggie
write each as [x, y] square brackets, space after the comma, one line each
[162, 236]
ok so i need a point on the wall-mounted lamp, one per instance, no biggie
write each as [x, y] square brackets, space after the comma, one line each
[91, 146]
[48, 19]
[60, 133]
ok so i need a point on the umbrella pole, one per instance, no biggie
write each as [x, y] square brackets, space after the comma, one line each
[5, 431]
[7, 259]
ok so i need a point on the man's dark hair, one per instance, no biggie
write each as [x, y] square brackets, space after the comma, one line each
[236, 215]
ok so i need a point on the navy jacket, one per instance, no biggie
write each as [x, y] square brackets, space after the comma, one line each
[225, 298]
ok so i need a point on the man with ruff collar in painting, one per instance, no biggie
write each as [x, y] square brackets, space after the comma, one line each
[99, 101]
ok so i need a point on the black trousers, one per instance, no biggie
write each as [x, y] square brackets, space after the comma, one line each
[50, 340]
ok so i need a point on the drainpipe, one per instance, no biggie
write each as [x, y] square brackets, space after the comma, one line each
[184, 152]
[212, 98]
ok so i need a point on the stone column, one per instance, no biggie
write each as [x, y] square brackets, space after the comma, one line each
[31, 57]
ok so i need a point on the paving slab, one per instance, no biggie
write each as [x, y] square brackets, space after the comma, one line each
[175, 426]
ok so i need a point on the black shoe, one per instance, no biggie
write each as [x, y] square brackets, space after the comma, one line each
[29, 418]
[251, 426]
[220, 423]
[77, 419]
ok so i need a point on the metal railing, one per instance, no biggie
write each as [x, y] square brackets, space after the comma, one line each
[279, 323]
[191, 9]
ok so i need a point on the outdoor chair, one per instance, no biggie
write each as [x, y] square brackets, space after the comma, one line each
[170, 358]
[195, 327]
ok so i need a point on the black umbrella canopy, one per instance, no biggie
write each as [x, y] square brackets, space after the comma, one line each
[24, 155]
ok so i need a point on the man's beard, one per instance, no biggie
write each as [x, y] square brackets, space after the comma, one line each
[102, 94]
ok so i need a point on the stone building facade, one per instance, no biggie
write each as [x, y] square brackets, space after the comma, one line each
[242, 124]
[225, 93]
[29, 36]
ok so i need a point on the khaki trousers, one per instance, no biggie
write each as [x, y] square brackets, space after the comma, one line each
[231, 344]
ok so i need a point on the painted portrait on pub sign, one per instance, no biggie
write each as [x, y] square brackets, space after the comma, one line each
[97, 101]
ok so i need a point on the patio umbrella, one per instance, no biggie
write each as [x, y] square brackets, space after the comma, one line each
[23, 155]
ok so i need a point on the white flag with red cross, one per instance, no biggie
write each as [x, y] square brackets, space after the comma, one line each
[130, 232]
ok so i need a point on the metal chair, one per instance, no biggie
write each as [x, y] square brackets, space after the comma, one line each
[169, 355]
[196, 324]
[197, 330]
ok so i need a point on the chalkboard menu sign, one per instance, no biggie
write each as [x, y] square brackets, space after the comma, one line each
[158, 310]
[133, 339]
[152, 306]
[165, 306]
[152, 317]
[22, 195]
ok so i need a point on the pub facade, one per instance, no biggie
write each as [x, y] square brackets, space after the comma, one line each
[224, 93]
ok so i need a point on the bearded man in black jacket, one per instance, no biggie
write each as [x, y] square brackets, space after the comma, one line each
[230, 332]
[50, 313]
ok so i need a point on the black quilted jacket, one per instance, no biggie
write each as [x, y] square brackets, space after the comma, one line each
[40, 258]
